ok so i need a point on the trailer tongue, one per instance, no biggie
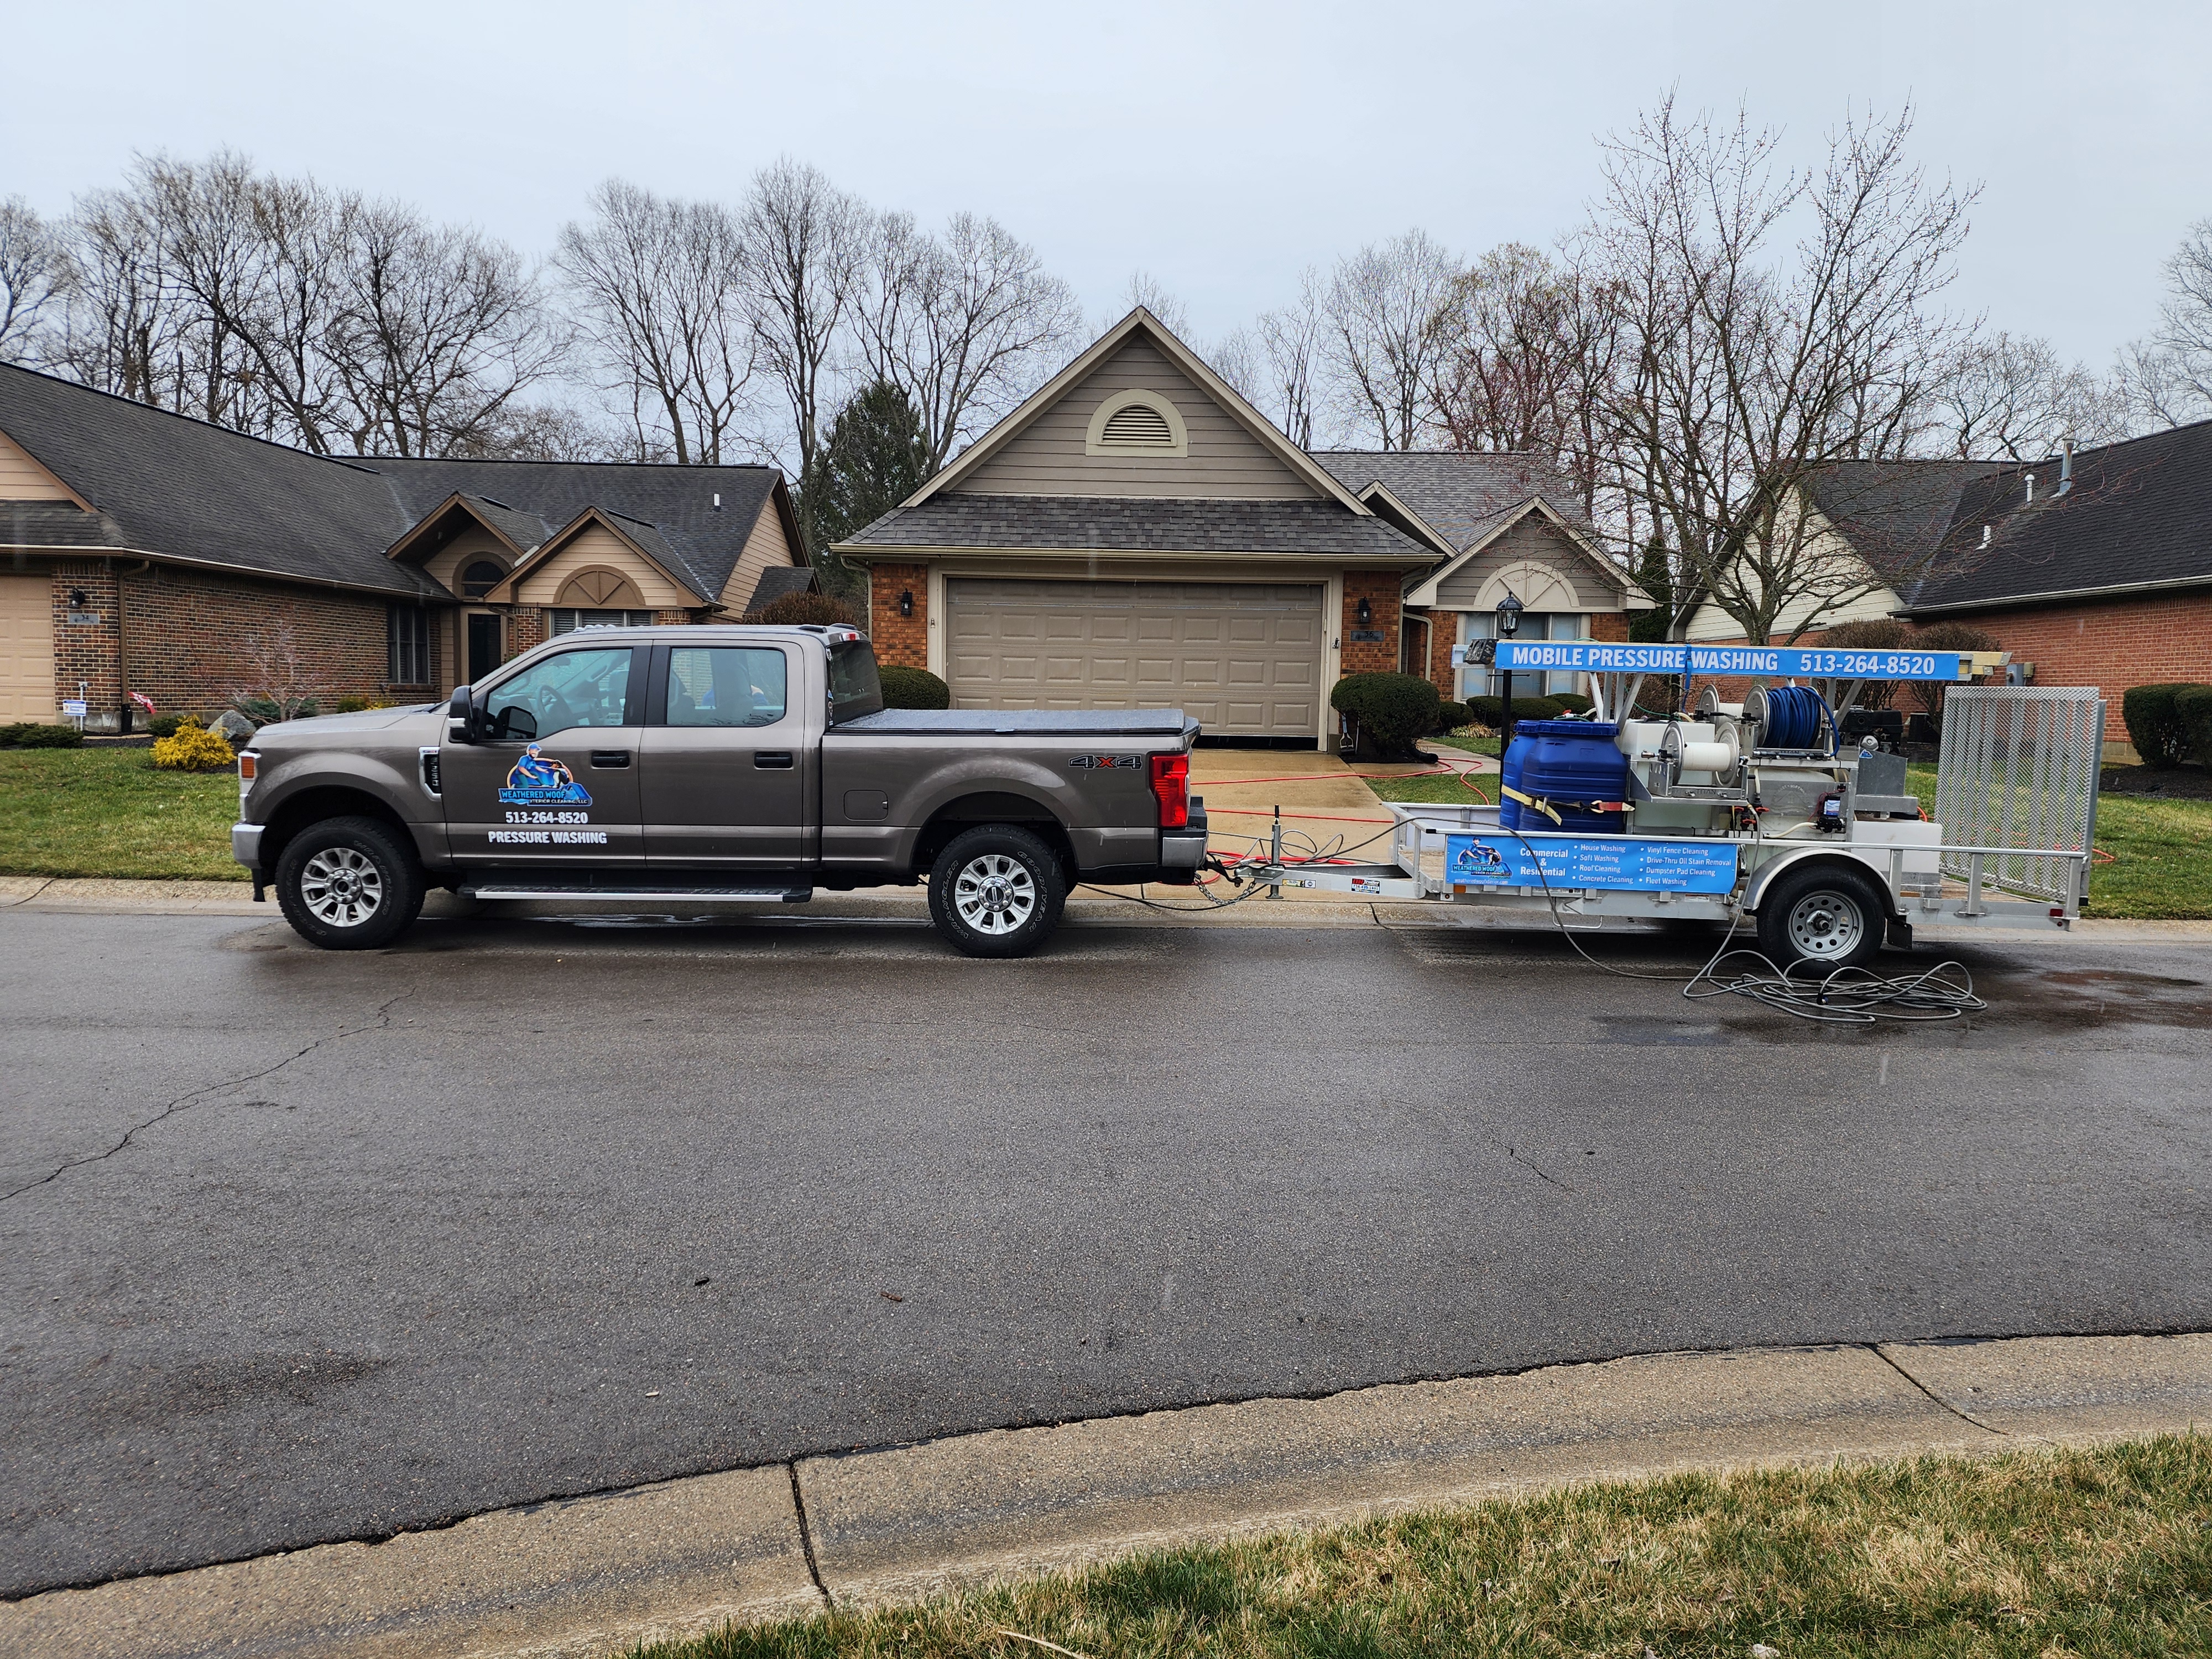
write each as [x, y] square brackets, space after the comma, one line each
[1758, 810]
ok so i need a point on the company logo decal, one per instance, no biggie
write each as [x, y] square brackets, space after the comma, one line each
[1477, 861]
[537, 780]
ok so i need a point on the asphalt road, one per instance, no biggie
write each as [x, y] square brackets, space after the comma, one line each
[300, 1246]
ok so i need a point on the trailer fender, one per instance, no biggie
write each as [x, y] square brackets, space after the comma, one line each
[1764, 877]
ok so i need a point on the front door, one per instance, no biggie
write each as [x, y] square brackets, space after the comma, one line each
[556, 780]
[727, 769]
[484, 647]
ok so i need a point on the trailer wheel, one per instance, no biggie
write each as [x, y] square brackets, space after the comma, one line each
[996, 891]
[348, 885]
[1823, 915]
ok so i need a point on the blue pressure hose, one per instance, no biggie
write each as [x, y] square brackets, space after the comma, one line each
[1793, 717]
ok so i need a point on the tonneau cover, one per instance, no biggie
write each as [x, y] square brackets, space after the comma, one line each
[1052, 722]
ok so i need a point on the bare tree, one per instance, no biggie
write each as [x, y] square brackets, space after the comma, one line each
[804, 240]
[442, 330]
[2004, 398]
[2168, 378]
[33, 274]
[963, 325]
[124, 328]
[1386, 309]
[661, 287]
[1291, 339]
[1749, 367]
[1143, 288]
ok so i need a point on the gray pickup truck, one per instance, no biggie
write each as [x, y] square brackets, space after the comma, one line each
[706, 765]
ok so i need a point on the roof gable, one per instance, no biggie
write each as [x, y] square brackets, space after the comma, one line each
[1499, 522]
[1244, 440]
[518, 533]
[640, 538]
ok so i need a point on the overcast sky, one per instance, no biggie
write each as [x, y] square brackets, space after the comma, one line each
[1219, 148]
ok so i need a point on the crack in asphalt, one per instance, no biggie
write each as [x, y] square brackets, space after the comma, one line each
[1879, 1352]
[184, 1103]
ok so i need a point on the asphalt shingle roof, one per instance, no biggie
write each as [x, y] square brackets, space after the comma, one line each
[1131, 524]
[1461, 496]
[165, 484]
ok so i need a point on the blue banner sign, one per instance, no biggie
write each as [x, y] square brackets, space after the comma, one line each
[1571, 862]
[1729, 661]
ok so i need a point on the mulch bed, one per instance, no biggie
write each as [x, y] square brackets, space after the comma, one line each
[2174, 782]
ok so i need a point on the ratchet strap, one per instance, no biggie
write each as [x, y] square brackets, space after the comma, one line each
[1546, 809]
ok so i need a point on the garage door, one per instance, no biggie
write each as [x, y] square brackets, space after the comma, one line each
[26, 649]
[1242, 659]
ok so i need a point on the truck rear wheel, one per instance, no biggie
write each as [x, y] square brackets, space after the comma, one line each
[1822, 915]
[348, 885]
[996, 891]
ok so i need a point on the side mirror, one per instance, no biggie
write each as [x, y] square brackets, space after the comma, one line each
[460, 726]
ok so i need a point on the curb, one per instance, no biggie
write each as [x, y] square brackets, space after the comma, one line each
[591, 1574]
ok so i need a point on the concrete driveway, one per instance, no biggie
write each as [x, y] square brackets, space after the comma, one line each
[304, 1246]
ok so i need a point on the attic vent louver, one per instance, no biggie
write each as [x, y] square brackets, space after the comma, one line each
[1138, 426]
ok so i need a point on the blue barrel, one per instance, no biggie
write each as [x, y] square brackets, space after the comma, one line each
[1564, 762]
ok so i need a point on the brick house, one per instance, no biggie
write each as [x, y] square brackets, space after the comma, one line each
[142, 551]
[1138, 535]
[2092, 568]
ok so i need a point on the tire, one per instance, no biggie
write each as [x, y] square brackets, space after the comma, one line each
[996, 891]
[1822, 915]
[348, 885]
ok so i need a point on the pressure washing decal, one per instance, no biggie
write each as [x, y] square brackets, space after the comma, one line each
[1726, 661]
[1563, 862]
[537, 780]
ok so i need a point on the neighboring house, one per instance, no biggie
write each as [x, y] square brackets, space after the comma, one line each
[2092, 570]
[1137, 535]
[1504, 523]
[147, 552]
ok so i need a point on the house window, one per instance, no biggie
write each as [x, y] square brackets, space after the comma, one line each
[407, 644]
[480, 578]
[567, 622]
[1476, 681]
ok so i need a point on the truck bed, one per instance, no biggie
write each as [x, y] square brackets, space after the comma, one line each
[1020, 723]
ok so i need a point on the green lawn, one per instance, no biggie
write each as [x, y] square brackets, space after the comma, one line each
[2161, 864]
[2089, 1553]
[107, 812]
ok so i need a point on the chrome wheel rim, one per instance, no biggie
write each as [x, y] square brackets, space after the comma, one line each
[994, 894]
[1825, 926]
[341, 887]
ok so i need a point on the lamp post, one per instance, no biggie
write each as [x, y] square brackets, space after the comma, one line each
[1509, 624]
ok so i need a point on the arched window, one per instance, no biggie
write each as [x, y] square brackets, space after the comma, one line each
[480, 578]
[1137, 423]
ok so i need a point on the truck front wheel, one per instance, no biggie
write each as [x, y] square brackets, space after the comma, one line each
[1821, 915]
[996, 891]
[348, 885]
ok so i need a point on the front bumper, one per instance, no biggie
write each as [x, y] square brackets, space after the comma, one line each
[245, 844]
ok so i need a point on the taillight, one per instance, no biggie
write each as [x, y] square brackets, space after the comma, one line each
[1171, 789]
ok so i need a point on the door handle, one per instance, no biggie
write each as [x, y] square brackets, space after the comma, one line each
[773, 760]
[610, 757]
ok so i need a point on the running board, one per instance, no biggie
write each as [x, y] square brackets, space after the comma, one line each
[645, 895]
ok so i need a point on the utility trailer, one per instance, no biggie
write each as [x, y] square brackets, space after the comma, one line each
[1760, 810]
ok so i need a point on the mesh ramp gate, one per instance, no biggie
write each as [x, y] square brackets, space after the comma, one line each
[2018, 769]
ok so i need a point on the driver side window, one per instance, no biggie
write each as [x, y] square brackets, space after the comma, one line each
[577, 688]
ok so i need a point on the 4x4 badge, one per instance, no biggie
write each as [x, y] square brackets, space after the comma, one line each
[1117, 762]
[537, 780]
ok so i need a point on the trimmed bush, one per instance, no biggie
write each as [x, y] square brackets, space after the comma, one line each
[1451, 716]
[165, 725]
[31, 735]
[1389, 710]
[1573, 703]
[2192, 708]
[791, 608]
[193, 748]
[2154, 724]
[913, 687]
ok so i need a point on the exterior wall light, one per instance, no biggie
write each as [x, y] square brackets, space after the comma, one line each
[906, 602]
[1366, 614]
[1509, 624]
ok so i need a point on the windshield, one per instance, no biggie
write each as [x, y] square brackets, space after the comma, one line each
[855, 689]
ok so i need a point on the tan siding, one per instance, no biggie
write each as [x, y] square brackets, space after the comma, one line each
[1530, 542]
[22, 479]
[1827, 567]
[1225, 460]
[595, 546]
[446, 565]
[766, 547]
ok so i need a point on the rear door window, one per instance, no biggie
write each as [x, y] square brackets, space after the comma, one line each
[728, 685]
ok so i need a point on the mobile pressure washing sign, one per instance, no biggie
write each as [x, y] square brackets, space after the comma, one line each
[1725, 662]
